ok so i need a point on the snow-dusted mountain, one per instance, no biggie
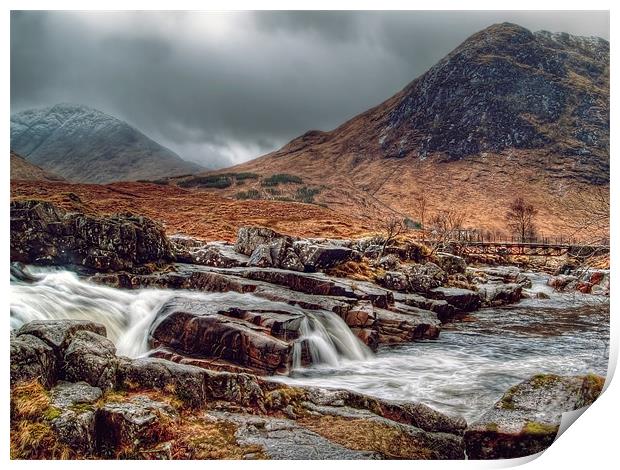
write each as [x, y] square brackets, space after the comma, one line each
[86, 145]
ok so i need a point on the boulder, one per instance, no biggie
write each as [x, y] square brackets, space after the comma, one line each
[249, 238]
[450, 263]
[132, 426]
[42, 233]
[445, 312]
[59, 333]
[318, 256]
[217, 254]
[405, 325]
[91, 358]
[395, 280]
[74, 420]
[219, 330]
[563, 282]
[261, 257]
[526, 419]
[424, 277]
[499, 294]
[463, 300]
[32, 358]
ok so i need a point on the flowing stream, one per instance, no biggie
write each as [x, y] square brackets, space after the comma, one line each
[463, 372]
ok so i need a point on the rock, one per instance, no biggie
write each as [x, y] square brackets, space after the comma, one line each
[360, 315]
[395, 280]
[463, 300]
[368, 336]
[424, 277]
[542, 296]
[445, 312]
[563, 282]
[283, 439]
[91, 358]
[261, 257]
[32, 358]
[217, 254]
[317, 256]
[450, 263]
[389, 262]
[218, 330]
[499, 294]
[42, 233]
[405, 325]
[75, 405]
[59, 333]
[526, 419]
[187, 382]
[133, 425]
[249, 238]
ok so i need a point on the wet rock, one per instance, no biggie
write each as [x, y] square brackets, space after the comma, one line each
[563, 282]
[445, 312]
[91, 358]
[194, 328]
[42, 233]
[526, 419]
[405, 325]
[506, 274]
[463, 300]
[59, 333]
[450, 263]
[361, 315]
[32, 358]
[368, 336]
[132, 425]
[499, 294]
[542, 296]
[75, 407]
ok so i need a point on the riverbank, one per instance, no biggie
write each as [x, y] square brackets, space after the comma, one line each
[393, 321]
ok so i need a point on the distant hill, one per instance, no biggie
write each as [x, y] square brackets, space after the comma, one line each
[21, 169]
[86, 145]
[508, 112]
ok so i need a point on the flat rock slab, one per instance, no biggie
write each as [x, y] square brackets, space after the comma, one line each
[463, 300]
[283, 439]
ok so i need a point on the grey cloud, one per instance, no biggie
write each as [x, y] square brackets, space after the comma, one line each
[220, 88]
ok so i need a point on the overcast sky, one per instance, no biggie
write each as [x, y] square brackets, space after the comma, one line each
[221, 88]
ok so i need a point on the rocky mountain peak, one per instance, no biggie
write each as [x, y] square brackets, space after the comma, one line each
[506, 87]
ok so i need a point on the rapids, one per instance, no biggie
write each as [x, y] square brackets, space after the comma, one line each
[463, 372]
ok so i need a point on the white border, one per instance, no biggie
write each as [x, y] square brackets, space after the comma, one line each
[590, 443]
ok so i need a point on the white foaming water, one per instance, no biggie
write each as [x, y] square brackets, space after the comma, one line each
[128, 314]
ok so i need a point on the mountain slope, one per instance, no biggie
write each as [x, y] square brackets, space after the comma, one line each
[86, 145]
[508, 111]
[23, 170]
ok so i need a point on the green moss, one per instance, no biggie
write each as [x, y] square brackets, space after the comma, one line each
[80, 408]
[492, 427]
[52, 413]
[534, 427]
[544, 380]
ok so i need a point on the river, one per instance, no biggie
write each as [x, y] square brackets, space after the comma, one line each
[463, 372]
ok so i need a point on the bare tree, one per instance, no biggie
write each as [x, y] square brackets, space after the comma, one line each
[585, 214]
[392, 227]
[520, 218]
[447, 227]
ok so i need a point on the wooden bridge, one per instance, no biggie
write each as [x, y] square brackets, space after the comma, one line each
[511, 248]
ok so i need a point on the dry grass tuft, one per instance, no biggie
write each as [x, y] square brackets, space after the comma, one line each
[361, 434]
[357, 270]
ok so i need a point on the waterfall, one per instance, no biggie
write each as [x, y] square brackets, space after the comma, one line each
[52, 294]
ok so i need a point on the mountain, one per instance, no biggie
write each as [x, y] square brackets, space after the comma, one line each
[85, 145]
[23, 170]
[507, 112]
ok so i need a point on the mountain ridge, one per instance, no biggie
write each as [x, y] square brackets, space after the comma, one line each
[86, 145]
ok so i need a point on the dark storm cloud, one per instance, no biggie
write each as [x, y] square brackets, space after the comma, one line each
[220, 88]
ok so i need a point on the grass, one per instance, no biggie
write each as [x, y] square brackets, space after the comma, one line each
[281, 178]
[356, 270]
[32, 436]
[361, 434]
[534, 427]
[249, 194]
